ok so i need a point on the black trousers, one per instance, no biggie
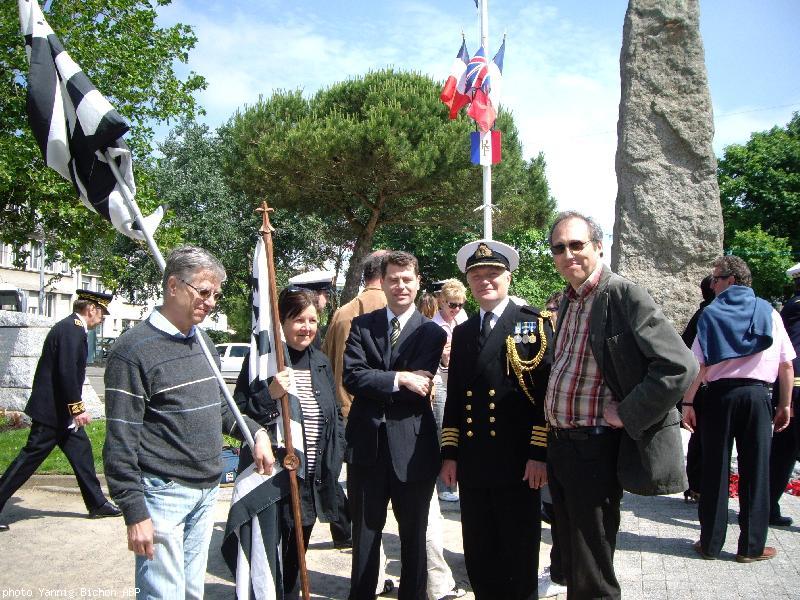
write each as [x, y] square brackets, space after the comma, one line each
[341, 528]
[741, 412]
[41, 440]
[582, 474]
[501, 529]
[783, 454]
[694, 453]
[369, 488]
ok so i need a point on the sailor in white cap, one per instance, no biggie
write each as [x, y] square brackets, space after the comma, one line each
[319, 281]
[786, 444]
[494, 438]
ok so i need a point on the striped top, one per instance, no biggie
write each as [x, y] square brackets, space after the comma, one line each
[312, 417]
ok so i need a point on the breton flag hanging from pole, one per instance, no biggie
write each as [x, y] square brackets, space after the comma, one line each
[252, 543]
[74, 125]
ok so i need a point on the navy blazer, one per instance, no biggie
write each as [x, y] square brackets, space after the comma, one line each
[60, 373]
[369, 372]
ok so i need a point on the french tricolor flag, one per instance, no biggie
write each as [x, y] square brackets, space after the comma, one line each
[454, 91]
[485, 147]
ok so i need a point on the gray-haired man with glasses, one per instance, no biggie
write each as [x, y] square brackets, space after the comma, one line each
[619, 368]
[165, 414]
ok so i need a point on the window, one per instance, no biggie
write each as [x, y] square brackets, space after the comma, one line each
[6, 255]
[86, 283]
[239, 351]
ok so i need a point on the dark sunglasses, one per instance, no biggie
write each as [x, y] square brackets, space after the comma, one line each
[205, 294]
[574, 247]
[455, 304]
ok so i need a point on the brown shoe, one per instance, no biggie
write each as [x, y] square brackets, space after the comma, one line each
[769, 552]
[699, 549]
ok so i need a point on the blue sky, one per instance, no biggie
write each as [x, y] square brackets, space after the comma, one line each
[561, 71]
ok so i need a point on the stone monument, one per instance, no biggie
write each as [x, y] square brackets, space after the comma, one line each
[21, 339]
[668, 225]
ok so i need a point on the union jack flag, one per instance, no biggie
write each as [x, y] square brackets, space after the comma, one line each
[476, 70]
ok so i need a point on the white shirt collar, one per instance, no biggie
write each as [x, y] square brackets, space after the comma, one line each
[161, 322]
[402, 318]
[497, 311]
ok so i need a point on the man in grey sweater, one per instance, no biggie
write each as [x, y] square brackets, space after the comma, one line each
[165, 415]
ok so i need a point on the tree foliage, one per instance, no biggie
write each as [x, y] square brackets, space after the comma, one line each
[130, 59]
[372, 153]
[760, 184]
[768, 258]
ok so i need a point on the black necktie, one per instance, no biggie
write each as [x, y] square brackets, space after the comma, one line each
[486, 327]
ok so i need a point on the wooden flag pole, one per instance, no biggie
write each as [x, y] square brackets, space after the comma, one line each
[291, 462]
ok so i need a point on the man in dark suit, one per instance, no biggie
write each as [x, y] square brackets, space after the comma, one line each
[494, 438]
[56, 408]
[391, 439]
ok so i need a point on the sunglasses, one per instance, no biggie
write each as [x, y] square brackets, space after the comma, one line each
[455, 304]
[205, 294]
[574, 247]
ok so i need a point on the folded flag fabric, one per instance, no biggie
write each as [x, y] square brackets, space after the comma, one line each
[454, 92]
[74, 125]
[492, 83]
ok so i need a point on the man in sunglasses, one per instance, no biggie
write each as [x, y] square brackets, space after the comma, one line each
[164, 414]
[742, 347]
[493, 430]
[619, 369]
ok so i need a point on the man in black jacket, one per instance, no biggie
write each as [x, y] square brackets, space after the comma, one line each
[56, 408]
[493, 432]
[391, 439]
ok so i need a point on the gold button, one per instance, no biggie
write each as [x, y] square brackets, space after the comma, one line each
[469, 434]
[469, 419]
[469, 406]
[492, 433]
[469, 393]
[491, 405]
[491, 392]
[491, 419]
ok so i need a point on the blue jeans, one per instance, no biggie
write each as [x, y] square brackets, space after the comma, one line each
[183, 519]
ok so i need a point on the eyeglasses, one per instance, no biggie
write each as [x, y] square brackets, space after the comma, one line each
[205, 294]
[574, 247]
[716, 278]
[455, 304]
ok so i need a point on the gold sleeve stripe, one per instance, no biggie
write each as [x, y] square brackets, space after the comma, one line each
[447, 430]
[797, 382]
[450, 437]
[450, 443]
[542, 444]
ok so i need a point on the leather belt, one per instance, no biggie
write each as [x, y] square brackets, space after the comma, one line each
[578, 433]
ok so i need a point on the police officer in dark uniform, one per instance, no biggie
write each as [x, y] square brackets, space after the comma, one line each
[57, 410]
[493, 433]
[786, 444]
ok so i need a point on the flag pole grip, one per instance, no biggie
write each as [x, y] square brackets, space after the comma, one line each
[133, 207]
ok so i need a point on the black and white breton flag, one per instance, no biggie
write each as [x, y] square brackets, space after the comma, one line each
[252, 543]
[74, 125]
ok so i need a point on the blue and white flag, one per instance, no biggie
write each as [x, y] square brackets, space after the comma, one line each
[75, 125]
[252, 543]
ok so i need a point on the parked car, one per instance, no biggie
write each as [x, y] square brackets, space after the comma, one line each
[231, 356]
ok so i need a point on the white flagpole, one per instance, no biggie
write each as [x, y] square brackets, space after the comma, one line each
[487, 169]
[159, 258]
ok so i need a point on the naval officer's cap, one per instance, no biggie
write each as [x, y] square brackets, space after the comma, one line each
[100, 298]
[794, 272]
[317, 280]
[487, 253]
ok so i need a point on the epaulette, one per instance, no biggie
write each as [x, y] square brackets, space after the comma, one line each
[78, 322]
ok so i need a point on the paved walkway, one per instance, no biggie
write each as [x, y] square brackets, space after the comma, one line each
[52, 550]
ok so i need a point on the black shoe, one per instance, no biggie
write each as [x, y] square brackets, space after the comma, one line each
[780, 521]
[4, 527]
[342, 544]
[106, 510]
[388, 588]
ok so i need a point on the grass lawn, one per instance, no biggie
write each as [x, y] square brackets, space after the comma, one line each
[11, 442]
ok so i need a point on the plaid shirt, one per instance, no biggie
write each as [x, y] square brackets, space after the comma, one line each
[576, 392]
